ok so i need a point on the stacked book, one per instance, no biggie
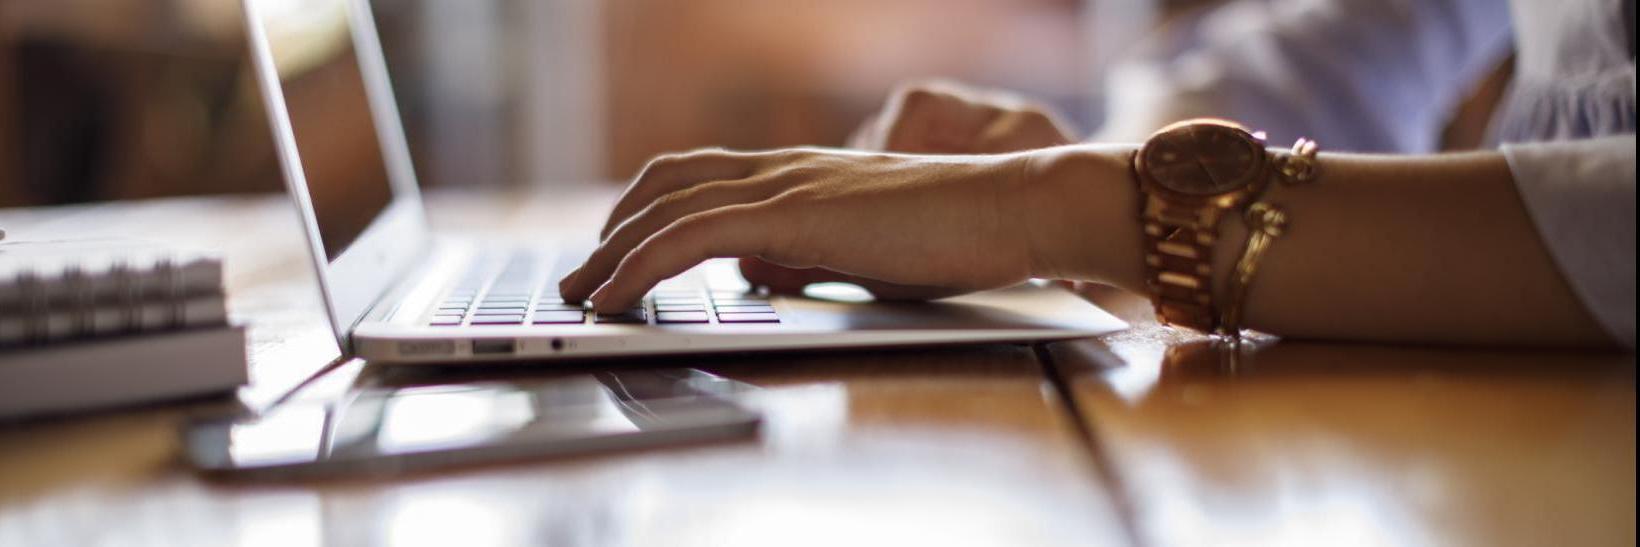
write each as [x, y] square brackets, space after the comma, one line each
[93, 323]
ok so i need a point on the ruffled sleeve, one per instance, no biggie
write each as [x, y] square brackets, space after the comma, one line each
[1580, 194]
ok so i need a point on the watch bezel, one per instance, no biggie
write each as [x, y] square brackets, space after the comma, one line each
[1254, 183]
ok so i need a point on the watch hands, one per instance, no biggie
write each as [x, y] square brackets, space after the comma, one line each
[1197, 137]
[1208, 172]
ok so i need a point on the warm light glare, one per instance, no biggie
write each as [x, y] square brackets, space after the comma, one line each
[438, 519]
[290, 435]
[448, 418]
[290, 519]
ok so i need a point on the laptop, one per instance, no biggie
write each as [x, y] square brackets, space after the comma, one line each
[397, 293]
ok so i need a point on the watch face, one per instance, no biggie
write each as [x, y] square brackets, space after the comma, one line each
[1202, 159]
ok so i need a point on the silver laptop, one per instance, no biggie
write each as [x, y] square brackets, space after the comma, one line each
[395, 292]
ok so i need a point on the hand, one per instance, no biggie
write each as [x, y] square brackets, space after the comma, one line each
[953, 223]
[929, 118]
[949, 118]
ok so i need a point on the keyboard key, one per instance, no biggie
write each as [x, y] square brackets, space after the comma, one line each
[452, 309]
[659, 294]
[635, 315]
[740, 301]
[681, 307]
[498, 319]
[681, 317]
[559, 317]
[519, 300]
[545, 306]
[748, 318]
[679, 300]
[445, 321]
[499, 310]
[745, 309]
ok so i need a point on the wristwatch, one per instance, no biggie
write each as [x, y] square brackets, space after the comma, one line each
[1190, 174]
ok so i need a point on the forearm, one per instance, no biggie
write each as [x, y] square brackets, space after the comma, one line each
[1387, 248]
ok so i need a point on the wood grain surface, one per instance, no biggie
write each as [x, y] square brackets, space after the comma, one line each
[1309, 443]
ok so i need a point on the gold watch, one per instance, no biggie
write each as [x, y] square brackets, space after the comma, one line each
[1190, 174]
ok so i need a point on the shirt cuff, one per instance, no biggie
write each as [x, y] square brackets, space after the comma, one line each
[1580, 195]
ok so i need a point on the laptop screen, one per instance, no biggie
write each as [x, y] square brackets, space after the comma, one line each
[330, 115]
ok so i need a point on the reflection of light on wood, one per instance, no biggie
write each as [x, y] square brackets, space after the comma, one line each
[303, 33]
[441, 519]
[278, 519]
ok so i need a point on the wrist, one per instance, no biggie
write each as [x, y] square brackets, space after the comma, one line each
[1079, 206]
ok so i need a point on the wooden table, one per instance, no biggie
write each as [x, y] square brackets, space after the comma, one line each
[1141, 438]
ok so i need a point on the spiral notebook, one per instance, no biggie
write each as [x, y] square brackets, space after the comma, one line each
[92, 323]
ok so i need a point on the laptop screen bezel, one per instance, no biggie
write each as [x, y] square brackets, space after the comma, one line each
[397, 238]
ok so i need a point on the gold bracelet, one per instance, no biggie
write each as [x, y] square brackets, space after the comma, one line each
[1265, 223]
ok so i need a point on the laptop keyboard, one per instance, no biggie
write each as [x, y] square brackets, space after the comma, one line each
[517, 290]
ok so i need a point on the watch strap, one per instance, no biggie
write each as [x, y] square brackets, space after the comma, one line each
[1178, 272]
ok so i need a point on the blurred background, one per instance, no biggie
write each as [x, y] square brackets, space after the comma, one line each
[119, 99]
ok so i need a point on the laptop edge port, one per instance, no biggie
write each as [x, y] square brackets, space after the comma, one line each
[493, 347]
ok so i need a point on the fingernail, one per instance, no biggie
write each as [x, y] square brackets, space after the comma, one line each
[597, 298]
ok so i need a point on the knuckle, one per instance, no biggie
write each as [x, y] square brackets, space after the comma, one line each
[917, 95]
[677, 160]
[771, 164]
[657, 165]
[797, 173]
[671, 201]
[663, 205]
[792, 155]
[662, 211]
[724, 217]
[992, 112]
[700, 154]
[689, 227]
[666, 161]
[796, 197]
[1037, 116]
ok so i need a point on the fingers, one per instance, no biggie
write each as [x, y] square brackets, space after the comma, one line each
[656, 216]
[935, 120]
[736, 230]
[666, 174]
[942, 117]
[1023, 129]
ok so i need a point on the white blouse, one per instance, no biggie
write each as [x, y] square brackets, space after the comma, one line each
[1384, 76]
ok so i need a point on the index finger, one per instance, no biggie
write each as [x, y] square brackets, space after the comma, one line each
[732, 231]
[668, 173]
